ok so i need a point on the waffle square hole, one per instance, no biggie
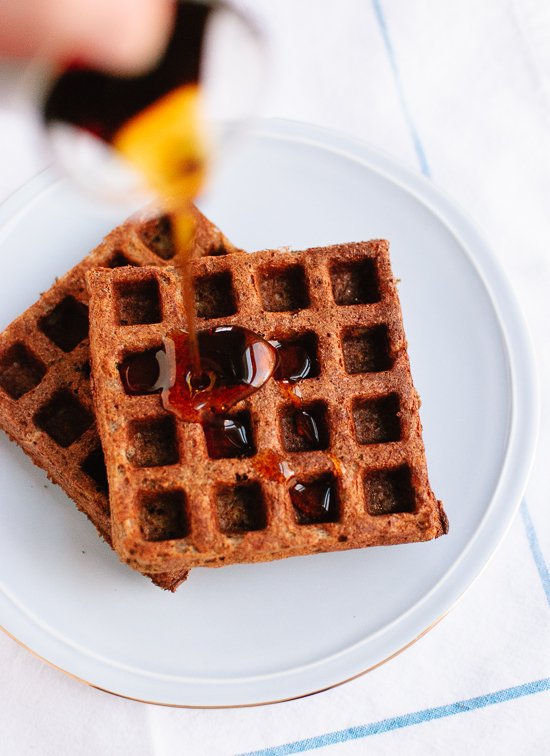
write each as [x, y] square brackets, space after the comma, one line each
[152, 442]
[316, 500]
[140, 372]
[355, 282]
[94, 467]
[20, 370]
[241, 508]
[229, 437]
[138, 302]
[119, 260]
[283, 289]
[63, 418]
[376, 420]
[304, 428]
[67, 324]
[214, 295]
[389, 491]
[298, 358]
[158, 236]
[162, 515]
[366, 350]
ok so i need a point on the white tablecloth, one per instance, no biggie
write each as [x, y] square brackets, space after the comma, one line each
[460, 91]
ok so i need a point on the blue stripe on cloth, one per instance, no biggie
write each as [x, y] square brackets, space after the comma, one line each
[536, 551]
[419, 149]
[395, 723]
[469, 704]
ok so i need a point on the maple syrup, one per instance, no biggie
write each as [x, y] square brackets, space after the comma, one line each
[141, 373]
[234, 363]
[268, 464]
[308, 428]
[295, 362]
[315, 501]
[227, 437]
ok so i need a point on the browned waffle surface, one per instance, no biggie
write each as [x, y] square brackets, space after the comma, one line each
[174, 504]
[45, 399]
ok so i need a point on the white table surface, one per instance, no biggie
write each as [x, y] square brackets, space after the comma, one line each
[460, 91]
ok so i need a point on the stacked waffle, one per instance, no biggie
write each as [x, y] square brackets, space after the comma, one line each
[157, 487]
[45, 394]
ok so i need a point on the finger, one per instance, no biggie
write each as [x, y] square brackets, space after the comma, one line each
[121, 36]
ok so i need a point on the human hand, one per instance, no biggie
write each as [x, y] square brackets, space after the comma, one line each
[119, 36]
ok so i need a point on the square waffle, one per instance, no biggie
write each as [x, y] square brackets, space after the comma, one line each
[176, 505]
[45, 398]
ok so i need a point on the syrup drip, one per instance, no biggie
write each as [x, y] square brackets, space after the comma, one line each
[307, 428]
[295, 363]
[315, 502]
[154, 121]
[268, 464]
[336, 463]
[182, 223]
[292, 393]
[227, 437]
[166, 143]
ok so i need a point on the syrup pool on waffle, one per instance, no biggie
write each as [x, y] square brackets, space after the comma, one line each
[235, 362]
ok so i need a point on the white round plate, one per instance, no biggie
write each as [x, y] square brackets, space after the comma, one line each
[261, 633]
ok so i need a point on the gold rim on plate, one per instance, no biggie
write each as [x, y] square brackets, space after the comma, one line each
[231, 706]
